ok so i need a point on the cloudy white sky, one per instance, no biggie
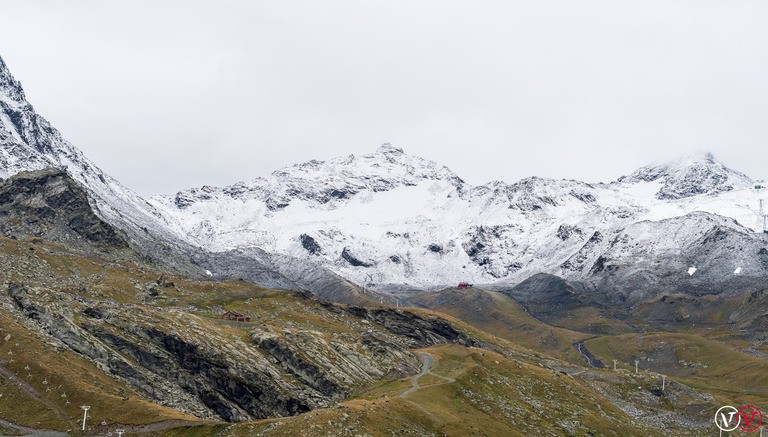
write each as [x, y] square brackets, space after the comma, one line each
[165, 95]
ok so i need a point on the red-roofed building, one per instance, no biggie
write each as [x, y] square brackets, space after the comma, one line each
[235, 316]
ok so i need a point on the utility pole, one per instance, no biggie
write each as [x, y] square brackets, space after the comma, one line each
[85, 414]
[663, 381]
[636, 363]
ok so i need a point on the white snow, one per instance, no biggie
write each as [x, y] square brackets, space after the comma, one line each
[402, 207]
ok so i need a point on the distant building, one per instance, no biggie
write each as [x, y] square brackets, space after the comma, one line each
[464, 285]
[235, 316]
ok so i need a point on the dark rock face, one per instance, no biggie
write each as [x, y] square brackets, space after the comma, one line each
[583, 196]
[418, 331]
[48, 203]
[300, 366]
[421, 332]
[565, 232]
[351, 259]
[436, 248]
[310, 244]
[191, 366]
[170, 371]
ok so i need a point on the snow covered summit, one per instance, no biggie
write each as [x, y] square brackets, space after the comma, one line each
[390, 220]
[328, 183]
[690, 176]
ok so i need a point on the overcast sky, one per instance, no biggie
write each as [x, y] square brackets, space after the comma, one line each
[166, 95]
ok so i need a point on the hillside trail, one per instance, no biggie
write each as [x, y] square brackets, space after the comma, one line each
[32, 431]
[427, 360]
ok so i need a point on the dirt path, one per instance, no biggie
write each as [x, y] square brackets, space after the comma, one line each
[32, 431]
[159, 426]
[427, 360]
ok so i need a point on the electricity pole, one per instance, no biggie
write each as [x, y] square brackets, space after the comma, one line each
[85, 414]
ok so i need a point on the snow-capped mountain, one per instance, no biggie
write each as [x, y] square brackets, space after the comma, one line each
[392, 221]
[389, 220]
[29, 142]
[690, 176]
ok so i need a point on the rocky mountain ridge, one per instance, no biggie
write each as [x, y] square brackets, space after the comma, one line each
[89, 314]
[392, 222]
[430, 229]
[29, 143]
[48, 203]
[691, 176]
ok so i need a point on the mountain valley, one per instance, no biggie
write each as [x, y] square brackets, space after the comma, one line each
[321, 299]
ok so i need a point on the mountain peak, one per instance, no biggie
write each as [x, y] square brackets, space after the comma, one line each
[701, 158]
[387, 148]
[9, 86]
[689, 176]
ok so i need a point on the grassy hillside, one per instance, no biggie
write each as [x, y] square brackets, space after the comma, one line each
[497, 314]
[492, 395]
[704, 364]
[151, 355]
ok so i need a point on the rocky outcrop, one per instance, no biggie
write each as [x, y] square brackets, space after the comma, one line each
[193, 364]
[48, 203]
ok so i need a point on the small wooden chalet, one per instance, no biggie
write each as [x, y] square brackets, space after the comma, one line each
[235, 316]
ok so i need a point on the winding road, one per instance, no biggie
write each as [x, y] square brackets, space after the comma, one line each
[427, 360]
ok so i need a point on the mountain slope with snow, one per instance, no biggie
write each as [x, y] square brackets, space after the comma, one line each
[28, 142]
[691, 176]
[390, 221]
